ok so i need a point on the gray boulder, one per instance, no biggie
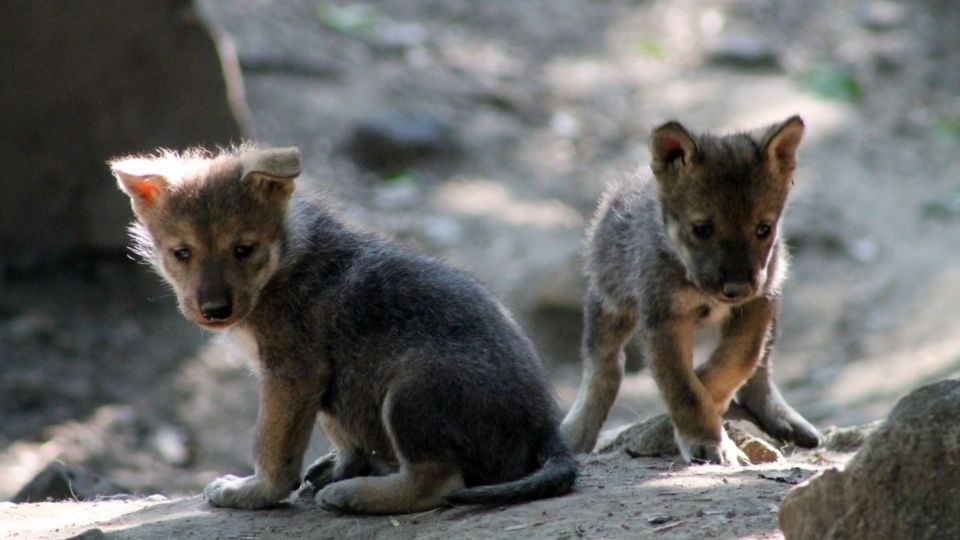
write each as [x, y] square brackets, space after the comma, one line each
[58, 482]
[903, 483]
[84, 81]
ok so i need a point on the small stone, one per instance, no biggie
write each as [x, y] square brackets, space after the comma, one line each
[172, 445]
[651, 438]
[391, 36]
[743, 51]
[396, 195]
[442, 232]
[756, 449]
[30, 326]
[881, 16]
[391, 142]
[89, 534]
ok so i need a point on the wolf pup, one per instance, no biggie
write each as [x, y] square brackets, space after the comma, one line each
[698, 243]
[427, 388]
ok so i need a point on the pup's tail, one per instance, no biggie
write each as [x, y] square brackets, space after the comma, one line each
[556, 475]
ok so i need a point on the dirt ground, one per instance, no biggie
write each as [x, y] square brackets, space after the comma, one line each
[548, 100]
[616, 497]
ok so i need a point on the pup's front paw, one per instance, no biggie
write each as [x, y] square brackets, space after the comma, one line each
[699, 450]
[248, 493]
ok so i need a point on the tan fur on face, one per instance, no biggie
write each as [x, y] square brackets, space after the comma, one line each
[209, 206]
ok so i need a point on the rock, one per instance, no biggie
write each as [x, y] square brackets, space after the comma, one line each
[881, 16]
[58, 481]
[847, 439]
[654, 438]
[87, 81]
[651, 438]
[391, 142]
[743, 51]
[901, 484]
[89, 534]
[756, 449]
[172, 445]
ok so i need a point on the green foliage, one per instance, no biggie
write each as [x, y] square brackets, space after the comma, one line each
[947, 127]
[351, 19]
[942, 210]
[833, 82]
[650, 49]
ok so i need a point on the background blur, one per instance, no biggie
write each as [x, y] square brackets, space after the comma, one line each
[483, 133]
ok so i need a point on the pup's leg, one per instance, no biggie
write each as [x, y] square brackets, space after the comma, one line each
[604, 336]
[762, 399]
[698, 428]
[745, 337]
[287, 414]
[338, 465]
[426, 474]
[416, 487]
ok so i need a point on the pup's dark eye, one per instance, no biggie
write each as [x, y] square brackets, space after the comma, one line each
[182, 254]
[244, 251]
[763, 230]
[703, 231]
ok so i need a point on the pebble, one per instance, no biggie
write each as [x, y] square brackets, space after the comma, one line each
[743, 51]
[391, 142]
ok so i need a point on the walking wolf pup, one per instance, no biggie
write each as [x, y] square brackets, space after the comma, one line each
[697, 243]
[427, 388]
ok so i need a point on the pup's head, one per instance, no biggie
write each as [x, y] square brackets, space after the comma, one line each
[722, 200]
[212, 225]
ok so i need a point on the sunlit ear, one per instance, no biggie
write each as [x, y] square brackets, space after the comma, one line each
[672, 147]
[779, 143]
[273, 171]
[146, 190]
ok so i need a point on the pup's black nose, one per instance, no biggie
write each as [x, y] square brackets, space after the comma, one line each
[736, 291]
[216, 311]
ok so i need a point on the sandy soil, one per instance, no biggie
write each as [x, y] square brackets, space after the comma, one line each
[616, 497]
[550, 99]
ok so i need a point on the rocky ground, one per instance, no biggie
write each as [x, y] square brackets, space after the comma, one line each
[515, 114]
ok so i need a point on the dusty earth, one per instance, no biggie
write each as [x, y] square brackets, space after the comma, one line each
[617, 497]
[547, 100]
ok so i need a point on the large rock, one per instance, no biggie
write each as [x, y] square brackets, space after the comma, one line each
[84, 81]
[59, 482]
[902, 484]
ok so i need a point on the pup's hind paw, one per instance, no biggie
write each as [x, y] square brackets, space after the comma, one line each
[781, 421]
[248, 493]
[726, 452]
[341, 497]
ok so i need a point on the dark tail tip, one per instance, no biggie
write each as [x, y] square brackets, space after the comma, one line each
[556, 477]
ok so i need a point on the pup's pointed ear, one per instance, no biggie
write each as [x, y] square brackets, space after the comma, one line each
[672, 146]
[779, 143]
[272, 171]
[147, 190]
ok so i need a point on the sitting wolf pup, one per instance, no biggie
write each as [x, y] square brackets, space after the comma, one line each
[699, 243]
[427, 388]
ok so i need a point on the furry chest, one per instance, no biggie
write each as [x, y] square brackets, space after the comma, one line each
[703, 309]
[246, 343]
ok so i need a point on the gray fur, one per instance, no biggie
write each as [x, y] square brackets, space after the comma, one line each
[424, 383]
[649, 276]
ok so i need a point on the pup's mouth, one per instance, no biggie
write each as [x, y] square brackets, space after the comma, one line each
[216, 325]
[720, 297]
